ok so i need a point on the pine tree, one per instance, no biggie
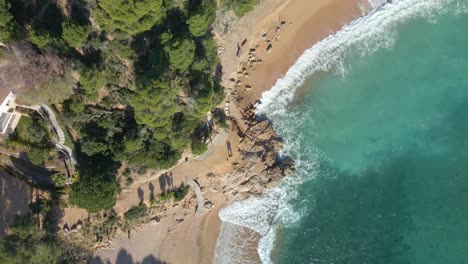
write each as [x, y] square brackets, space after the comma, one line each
[132, 17]
[6, 22]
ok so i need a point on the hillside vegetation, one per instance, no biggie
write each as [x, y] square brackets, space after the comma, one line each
[142, 79]
[131, 83]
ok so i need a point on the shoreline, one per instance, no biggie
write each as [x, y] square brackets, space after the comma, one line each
[181, 237]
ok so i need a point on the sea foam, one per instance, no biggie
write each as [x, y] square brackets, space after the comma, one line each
[363, 36]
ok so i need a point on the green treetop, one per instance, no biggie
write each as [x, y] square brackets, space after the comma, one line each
[155, 107]
[181, 52]
[202, 17]
[242, 7]
[6, 22]
[40, 38]
[92, 80]
[133, 17]
[75, 34]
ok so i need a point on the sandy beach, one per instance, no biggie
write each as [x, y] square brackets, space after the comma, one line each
[270, 38]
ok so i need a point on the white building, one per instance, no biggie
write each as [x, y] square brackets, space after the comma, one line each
[8, 117]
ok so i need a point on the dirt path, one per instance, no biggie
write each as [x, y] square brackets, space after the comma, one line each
[217, 163]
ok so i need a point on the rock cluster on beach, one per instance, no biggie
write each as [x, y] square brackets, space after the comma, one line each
[258, 167]
[253, 58]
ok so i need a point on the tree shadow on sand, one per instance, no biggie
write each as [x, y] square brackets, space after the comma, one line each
[125, 258]
[151, 188]
[166, 182]
[141, 194]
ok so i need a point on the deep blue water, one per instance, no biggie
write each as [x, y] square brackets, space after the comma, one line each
[384, 154]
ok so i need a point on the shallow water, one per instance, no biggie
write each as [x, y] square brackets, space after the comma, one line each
[389, 146]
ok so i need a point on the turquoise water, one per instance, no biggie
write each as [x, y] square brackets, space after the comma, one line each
[383, 154]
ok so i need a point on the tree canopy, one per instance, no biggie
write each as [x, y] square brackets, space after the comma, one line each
[6, 22]
[91, 80]
[132, 17]
[241, 7]
[75, 34]
[94, 194]
[40, 38]
[155, 106]
[26, 243]
[202, 17]
[180, 51]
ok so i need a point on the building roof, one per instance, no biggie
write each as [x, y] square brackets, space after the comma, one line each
[4, 92]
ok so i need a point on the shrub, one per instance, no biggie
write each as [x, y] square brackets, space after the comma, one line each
[242, 7]
[30, 131]
[135, 212]
[198, 147]
[202, 18]
[6, 22]
[59, 179]
[128, 181]
[178, 194]
[94, 194]
[220, 117]
[75, 34]
[181, 192]
[40, 38]
[166, 196]
[76, 106]
[38, 156]
[91, 80]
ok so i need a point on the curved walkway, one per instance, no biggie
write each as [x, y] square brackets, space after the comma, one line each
[60, 146]
[53, 121]
[220, 139]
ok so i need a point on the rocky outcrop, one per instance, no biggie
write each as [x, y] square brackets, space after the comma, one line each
[264, 168]
[259, 166]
